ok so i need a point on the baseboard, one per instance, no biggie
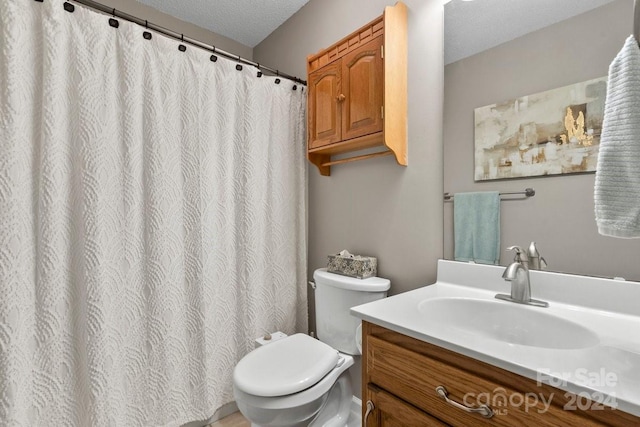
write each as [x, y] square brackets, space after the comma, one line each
[355, 419]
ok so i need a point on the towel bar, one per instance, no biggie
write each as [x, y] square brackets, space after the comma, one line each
[528, 192]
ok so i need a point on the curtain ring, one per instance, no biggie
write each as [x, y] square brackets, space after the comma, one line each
[113, 22]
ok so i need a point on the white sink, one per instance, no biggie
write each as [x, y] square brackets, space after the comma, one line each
[587, 335]
[508, 322]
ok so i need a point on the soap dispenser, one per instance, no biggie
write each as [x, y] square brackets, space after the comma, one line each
[536, 262]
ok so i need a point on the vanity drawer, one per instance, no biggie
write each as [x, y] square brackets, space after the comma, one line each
[393, 412]
[414, 377]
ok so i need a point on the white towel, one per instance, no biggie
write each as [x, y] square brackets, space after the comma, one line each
[617, 187]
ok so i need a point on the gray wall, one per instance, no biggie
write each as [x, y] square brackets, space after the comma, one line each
[174, 24]
[376, 207]
[560, 218]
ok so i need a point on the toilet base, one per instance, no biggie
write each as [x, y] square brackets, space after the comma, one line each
[355, 418]
[332, 409]
[337, 408]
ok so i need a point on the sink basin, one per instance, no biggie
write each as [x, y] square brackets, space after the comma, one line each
[508, 322]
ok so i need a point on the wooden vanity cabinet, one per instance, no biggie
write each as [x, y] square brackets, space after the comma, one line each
[400, 375]
[358, 93]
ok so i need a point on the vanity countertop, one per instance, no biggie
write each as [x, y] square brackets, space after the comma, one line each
[606, 369]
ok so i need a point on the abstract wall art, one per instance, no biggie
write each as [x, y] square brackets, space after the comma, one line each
[549, 133]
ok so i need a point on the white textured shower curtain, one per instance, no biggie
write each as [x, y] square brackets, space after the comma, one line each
[152, 221]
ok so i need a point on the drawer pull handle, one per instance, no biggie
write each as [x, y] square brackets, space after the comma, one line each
[370, 408]
[483, 410]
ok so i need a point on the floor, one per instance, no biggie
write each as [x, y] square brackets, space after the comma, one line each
[233, 420]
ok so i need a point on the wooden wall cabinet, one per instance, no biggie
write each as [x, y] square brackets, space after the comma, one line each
[400, 376]
[358, 93]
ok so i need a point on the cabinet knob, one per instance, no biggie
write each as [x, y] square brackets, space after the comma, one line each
[341, 97]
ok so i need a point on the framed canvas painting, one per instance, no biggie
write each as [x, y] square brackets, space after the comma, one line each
[549, 133]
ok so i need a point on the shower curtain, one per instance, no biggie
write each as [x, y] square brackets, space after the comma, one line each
[152, 220]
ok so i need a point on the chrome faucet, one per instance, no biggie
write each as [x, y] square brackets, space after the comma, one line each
[536, 262]
[518, 274]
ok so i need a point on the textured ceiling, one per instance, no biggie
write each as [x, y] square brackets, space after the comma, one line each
[245, 21]
[471, 27]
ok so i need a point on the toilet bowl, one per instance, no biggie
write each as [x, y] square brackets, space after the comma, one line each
[301, 381]
[296, 380]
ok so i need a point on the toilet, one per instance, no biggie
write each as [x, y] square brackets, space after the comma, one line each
[302, 381]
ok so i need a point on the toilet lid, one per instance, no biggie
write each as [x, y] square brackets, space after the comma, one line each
[285, 366]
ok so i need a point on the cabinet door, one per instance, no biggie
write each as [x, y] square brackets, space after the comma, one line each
[390, 411]
[362, 87]
[324, 112]
[415, 378]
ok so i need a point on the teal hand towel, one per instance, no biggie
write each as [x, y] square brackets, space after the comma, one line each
[476, 227]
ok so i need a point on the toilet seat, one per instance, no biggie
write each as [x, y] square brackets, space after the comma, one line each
[301, 398]
[284, 367]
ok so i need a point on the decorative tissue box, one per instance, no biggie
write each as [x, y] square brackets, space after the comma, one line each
[351, 265]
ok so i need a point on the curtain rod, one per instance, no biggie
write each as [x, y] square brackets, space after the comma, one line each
[178, 36]
[528, 192]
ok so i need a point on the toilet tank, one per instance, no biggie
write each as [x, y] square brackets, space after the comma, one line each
[335, 295]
